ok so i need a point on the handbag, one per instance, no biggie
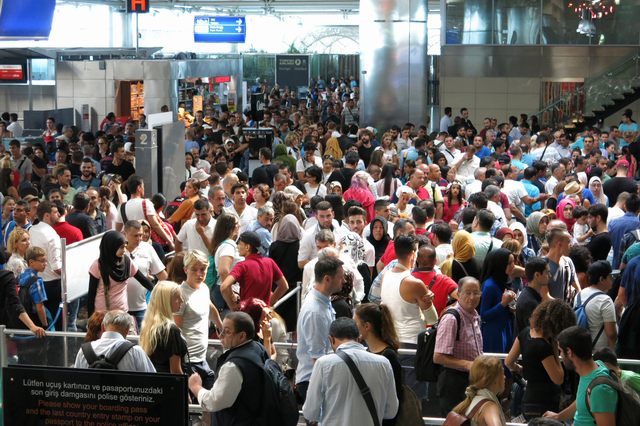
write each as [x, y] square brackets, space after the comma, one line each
[164, 225]
[410, 411]
[362, 385]
[456, 419]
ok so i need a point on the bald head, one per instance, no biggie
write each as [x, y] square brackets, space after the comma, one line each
[426, 256]
[556, 224]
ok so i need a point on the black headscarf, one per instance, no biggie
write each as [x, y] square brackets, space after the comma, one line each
[495, 265]
[379, 245]
[118, 268]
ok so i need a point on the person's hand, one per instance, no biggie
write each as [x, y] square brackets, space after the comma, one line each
[199, 228]
[507, 297]
[543, 196]
[39, 331]
[195, 380]
[453, 225]
[428, 297]
[590, 232]
[171, 246]
[517, 369]
[551, 415]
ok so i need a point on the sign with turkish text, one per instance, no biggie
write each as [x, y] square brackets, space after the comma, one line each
[219, 29]
[292, 70]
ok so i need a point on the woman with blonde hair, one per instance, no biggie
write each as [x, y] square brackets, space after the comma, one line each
[481, 404]
[462, 263]
[160, 337]
[261, 194]
[17, 245]
[291, 142]
[333, 148]
[388, 147]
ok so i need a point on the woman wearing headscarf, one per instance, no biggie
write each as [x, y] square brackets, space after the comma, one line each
[497, 294]
[564, 212]
[536, 227]
[278, 199]
[333, 148]
[109, 275]
[379, 237]
[462, 264]
[281, 155]
[503, 232]
[284, 251]
[359, 191]
[520, 235]
[595, 186]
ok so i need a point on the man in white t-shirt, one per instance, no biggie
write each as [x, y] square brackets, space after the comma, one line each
[307, 160]
[449, 150]
[196, 234]
[139, 208]
[598, 306]
[147, 261]
[240, 209]
[516, 192]
[357, 221]
[493, 195]
[14, 127]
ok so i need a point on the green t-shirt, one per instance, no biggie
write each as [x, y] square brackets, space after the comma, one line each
[632, 251]
[632, 378]
[603, 398]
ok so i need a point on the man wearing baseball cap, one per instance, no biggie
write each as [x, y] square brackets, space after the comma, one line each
[621, 182]
[255, 275]
[203, 180]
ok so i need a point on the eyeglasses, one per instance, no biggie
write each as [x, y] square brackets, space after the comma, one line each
[41, 260]
[471, 293]
[226, 332]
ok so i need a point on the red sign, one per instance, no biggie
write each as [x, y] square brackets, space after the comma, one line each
[11, 72]
[138, 6]
[222, 79]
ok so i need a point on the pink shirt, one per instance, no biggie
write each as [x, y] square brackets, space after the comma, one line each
[470, 344]
[117, 290]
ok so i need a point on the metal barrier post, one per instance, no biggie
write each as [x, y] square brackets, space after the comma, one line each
[298, 298]
[63, 281]
[3, 346]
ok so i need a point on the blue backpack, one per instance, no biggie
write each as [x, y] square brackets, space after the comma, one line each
[581, 314]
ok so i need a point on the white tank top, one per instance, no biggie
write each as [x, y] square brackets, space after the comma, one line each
[407, 317]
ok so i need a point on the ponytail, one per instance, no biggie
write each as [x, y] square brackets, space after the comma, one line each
[469, 394]
[381, 322]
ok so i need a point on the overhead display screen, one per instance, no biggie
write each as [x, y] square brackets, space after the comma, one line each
[13, 70]
[26, 19]
[219, 29]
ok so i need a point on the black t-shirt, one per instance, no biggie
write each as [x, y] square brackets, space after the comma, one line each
[343, 176]
[175, 345]
[540, 387]
[125, 169]
[344, 141]
[75, 169]
[264, 174]
[616, 185]
[599, 246]
[473, 267]
[342, 308]
[528, 301]
[396, 367]
[365, 154]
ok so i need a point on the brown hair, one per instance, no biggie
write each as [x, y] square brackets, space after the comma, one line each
[551, 317]
[94, 326]
[381, 322]
[175, 268]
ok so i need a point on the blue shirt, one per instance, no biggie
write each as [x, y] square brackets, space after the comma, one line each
[631, 280]
[314, 321]
[483, 152]
[586, 194]
[10, 226]
[528, 159]
[519, 164]
[82, 185]
[36, 291]
[265, 236]
[617, 228]
[407, 154]
[533, 192]
[190, 144]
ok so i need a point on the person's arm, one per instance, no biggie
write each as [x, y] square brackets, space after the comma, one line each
[178, 320]
[27, 177]
[281, 289]
[162, 275]
[175, 364]
[489, 309]
[512, 357]
[203, 234]
[143, 280]
[227, 292]
[605, 419]
[214, 316]
[379, 266]
[620, 302]
[532, 200]
[225, 389]
[13, 192]
[224, 267]
[178, 246]
[516, 212]
[566, 414]
[439, 209]
[585, 236]
[91, 297]
[450, 362]
[38, 331]
[42, 315]
[312, 408]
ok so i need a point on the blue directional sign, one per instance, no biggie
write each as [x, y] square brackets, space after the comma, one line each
[219, 29]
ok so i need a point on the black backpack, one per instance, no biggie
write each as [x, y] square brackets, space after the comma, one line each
[27, 303]
[628, 400]
[279, 404]
[629, 238]
[426, 369]
[102, 362]
[628, 344]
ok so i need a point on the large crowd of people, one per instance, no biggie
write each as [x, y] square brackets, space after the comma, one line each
[515, 238]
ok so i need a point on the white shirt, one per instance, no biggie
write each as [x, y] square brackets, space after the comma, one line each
[498, 213]
[614, 213]
[599, 310]
[472, 188]
[133, 210]
[309, 278]
[134, 360]
[550, 185]
[451, 154]
[514, 191]
[468, 167]
[302, 165]
[195, 320]
[308, 250]
[225, 389]
[334, 398]
[16, 129]
[44, 236]
[321, 190]
[562, 151]
[190, 238]
[442, 253]
[550, 155]
[248, 215]
[147, 260]
[445, 123]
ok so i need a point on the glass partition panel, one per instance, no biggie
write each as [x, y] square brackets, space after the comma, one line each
[468, 21]
[517, 22]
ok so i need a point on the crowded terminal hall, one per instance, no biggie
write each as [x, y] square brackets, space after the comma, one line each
[455, 273]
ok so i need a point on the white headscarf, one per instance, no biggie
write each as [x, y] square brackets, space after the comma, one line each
[520, 227]
[598, 195]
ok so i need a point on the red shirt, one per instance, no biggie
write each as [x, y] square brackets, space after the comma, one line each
[68, 231]
[389, 254]
[442, 287]
[423, 194]
[256, 275]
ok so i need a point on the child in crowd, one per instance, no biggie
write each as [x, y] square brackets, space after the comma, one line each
[582, 232]
[36, 258]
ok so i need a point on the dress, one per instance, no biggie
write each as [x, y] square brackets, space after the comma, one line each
[284, 254]
[497, 320]
[174, 345]
[16, 264]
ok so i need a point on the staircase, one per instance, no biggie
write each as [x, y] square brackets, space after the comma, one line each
[599, 97]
